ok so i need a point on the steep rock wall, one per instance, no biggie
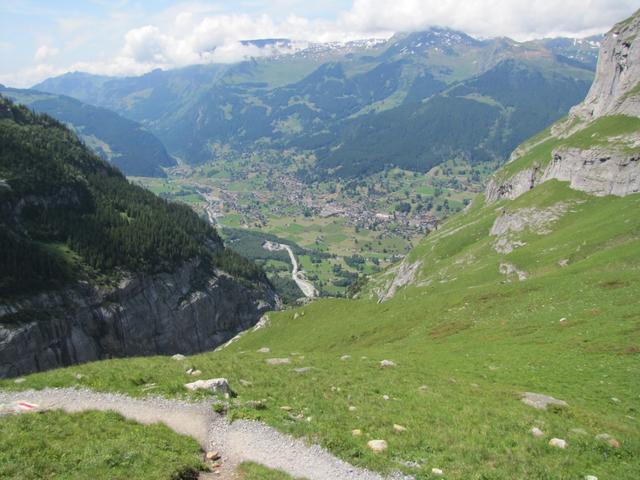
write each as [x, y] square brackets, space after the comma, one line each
[146, 315]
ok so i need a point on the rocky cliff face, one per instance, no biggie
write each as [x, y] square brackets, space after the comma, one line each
[609, 167]
[145, 315]
[617, 74]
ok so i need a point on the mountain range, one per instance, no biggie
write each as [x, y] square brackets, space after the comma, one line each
[343, 104]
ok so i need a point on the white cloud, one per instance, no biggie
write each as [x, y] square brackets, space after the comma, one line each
[45, 52]
[519, 19]
[203, 32]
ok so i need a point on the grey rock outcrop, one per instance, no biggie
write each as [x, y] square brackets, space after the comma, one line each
[617, 74]
[598, 171]
[512, 188]
[144, 315]
[611, 166]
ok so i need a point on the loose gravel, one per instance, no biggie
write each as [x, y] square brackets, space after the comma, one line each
[236, 442]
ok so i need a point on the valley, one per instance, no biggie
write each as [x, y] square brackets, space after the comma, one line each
[345, 227]
[407, 258]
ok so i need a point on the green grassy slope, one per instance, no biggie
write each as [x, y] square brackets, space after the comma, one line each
[469, 338]
[93, 445]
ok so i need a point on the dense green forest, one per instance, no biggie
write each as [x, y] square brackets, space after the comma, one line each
[64, 211]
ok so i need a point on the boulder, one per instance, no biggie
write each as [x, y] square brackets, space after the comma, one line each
[278, 361]
[536, 432]
[377, 446]
[540, 401]
[218, 386]
[558, 443]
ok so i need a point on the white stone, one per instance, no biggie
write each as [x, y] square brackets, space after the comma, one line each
[345, 357]
[590, 477]
[377, 445]
[437, 472]
[219, 386]
[278, 361]
[558, 443]
[536, 432]
[399, 428]
[540, 401]
[387, 363]
[264, 350]
[178, 356]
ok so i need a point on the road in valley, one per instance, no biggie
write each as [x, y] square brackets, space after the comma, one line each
[296, 274]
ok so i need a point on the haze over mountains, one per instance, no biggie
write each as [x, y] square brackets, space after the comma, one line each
[335, 101]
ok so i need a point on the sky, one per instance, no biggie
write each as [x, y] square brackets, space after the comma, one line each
[41, 39]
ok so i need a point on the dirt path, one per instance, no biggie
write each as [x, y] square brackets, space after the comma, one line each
[237, 442]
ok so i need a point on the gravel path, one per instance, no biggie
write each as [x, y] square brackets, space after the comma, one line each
[237, 442]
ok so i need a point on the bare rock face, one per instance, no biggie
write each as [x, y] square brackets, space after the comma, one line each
[512, 188]
[598, 171]
[617, 74]
[401, 275]
[146, 315]
[613, 166]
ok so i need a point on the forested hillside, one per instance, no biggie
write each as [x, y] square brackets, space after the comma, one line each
[123, 142]
[66, 213]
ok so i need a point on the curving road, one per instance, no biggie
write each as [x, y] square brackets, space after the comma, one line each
[297, 275]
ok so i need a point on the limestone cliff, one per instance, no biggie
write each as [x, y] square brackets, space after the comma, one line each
[597, 148]
[144, 315]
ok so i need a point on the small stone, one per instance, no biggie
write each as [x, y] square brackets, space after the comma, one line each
[352, 408]
[189, 371]
[178, 356]
[20, 380]
[278, 361]
[213, 455]
[437, 472]
[264, 350]
[399, 428]
[245, 383]
[377, 445]
[385, 397]
[345, 357]
[296, 316]
[196, 373]
[286, 408]
[615, 400]
[558, 443]
[563, 319]
[590, 477]
[423, 388]
[540, 401]
[356, 433]
[475, 385]
[613, 443]
[302, 370]
[219, 386]
[603, 436]
[78, 376]
[564, 262]
[536, 432]
[387, 363]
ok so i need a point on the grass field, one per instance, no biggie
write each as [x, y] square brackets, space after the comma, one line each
[93, 445]
[466, 342]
